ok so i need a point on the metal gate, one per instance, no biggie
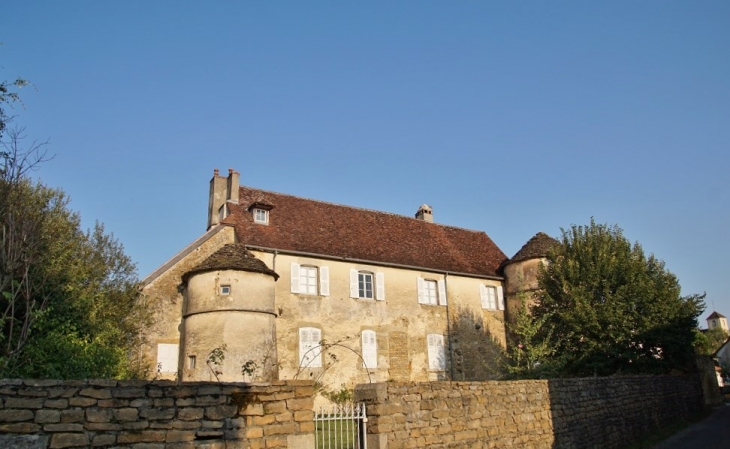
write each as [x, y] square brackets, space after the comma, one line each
[340, 427]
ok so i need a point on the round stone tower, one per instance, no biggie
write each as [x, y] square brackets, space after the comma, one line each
[229, 311]
[521, 272]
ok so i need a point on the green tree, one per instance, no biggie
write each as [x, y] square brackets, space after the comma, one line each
[709, 341]
[607, 308]
[8, 96]
[68, 298]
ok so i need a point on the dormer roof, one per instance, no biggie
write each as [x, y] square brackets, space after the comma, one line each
[342, 232]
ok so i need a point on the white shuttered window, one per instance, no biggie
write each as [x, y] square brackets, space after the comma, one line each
[310, 280]
[431, 292]
[369, 349]
[167, 357]
[436, 353]
[310, 352]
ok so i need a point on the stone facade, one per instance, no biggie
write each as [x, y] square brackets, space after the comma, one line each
[609, 412]
[155, 414]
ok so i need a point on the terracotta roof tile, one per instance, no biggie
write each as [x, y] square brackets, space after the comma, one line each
[233, 256]
[538, 246]
[305, 225]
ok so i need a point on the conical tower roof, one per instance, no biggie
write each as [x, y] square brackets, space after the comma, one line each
[535, 248]
[233, 256]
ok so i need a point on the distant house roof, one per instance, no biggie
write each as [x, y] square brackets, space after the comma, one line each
[320, 228]
[535, 248]
[715, 315]
[233, 256]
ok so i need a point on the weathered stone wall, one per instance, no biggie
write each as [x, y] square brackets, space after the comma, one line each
[155, 414]
[608, 412]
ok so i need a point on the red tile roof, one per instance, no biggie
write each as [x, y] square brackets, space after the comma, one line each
[715, 315]
[310, 226]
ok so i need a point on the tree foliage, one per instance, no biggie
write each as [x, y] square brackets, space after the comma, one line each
[68, 297]
[606, 307]
[709, 341]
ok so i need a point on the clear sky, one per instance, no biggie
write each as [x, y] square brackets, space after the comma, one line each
[507, 117]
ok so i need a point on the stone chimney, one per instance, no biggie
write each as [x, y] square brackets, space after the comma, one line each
[222, 190]
[425, 213]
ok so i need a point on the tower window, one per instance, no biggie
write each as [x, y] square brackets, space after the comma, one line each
[225, 290]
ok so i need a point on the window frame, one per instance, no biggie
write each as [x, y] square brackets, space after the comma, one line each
[436, 352]
[362, 285]
[307, 349]
[322, 279]
[492, 297]
[377, 287]
[369, 348]
[263, 218]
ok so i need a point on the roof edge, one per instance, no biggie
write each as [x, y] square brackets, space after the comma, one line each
[185, 251]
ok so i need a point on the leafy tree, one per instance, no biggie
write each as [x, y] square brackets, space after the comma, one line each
[607, 308]
[709, 341]
[8, 96]
[68, 298]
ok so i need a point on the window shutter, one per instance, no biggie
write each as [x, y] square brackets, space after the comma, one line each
[295, 278]
[380, 286]
[442, 292]
[315, 340]
[483, 296]
[421, 290]
[303, 346]
[369, 349]
[353, 283]
[167, 357]
[500, 297]
[324, 281]
[436, 359]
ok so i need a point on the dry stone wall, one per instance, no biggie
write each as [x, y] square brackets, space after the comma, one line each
[155, 415]
[608, 412]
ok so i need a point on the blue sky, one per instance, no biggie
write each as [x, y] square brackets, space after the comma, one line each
[508, 117]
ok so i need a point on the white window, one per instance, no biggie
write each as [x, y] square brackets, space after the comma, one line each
[431, 292]
[225, 290]
[310, 280]
[366, 285]
[167, 357]
[310, 351]
[191, 362]
[261, 216]
[492, 297]
[369, 349]
[436, 353]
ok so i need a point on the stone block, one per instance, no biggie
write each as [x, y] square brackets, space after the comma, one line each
[126, 414]
[103, 440]
[142, 436]
[157, 413]
[221, 412]
[98, 415]
[81, 402]
[24, 441]
[15, 415]
[55, 403]
[102, 426]
[96, 393]
[135, 425]
[190, 413]
[20, 402]
[144, 402]
[129, 393]
[62, 440]
[279, 429]
[47, 416]
[19, 427]
[67, 427]
[41, 383]
[174, 436]
[73, 415]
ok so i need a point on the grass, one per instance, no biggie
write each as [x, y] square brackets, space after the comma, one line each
[335, 434]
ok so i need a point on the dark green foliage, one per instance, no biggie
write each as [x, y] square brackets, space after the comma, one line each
[607, 308]
[709, 341]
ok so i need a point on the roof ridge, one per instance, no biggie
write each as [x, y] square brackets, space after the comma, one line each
[363, 209]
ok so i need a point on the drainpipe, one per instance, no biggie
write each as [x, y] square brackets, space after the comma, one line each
[448, 326]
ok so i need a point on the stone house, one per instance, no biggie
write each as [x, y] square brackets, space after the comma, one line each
[293, 288]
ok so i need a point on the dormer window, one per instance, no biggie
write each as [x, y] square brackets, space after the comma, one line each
[261, 216]
[260, 211]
